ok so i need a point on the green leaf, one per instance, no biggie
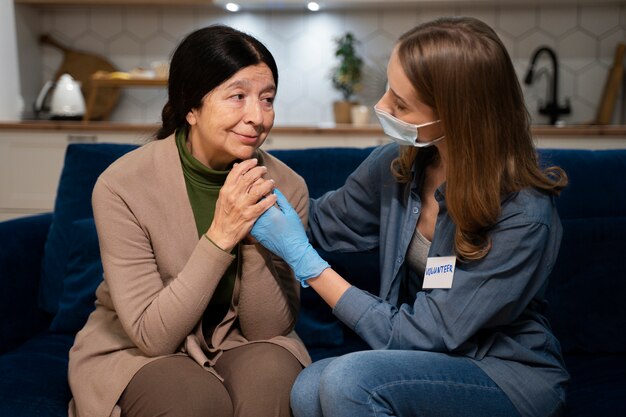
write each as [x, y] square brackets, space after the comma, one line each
[346, 75]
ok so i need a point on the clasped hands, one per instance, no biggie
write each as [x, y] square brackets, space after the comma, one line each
[244, 196]
[280, 230]
[246, 204]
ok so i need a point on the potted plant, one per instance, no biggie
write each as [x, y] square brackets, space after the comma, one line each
[346, 76]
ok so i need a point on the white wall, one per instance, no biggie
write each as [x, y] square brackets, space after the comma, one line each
[584, 37]
[11, 102]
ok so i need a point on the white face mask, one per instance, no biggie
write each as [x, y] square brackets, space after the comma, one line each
[402, 132]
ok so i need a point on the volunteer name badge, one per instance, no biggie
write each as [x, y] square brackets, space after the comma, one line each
[439, 272]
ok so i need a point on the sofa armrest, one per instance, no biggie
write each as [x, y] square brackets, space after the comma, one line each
[21, 250]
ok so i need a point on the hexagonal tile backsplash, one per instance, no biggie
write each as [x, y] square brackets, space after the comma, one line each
[584, 37]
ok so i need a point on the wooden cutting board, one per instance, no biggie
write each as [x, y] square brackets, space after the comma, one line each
[81, 65]
[611, 87]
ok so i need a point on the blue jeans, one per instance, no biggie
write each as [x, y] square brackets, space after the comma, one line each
[397, 383]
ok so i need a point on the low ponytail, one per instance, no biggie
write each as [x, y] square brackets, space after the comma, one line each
[170, 121]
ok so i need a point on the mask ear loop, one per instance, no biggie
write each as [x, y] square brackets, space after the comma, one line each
[417, 127]
[432, 142]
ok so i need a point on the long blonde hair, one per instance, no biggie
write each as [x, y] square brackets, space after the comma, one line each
[461, 69]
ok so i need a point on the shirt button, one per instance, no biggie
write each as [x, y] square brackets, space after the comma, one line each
[416, 210]
[399, 260]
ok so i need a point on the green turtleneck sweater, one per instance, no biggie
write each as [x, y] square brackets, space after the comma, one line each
[203, 187]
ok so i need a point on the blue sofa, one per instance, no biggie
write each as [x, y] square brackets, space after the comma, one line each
[49, 268]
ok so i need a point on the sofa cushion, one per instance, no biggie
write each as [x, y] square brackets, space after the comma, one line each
[597, 386]
[84, 274]
[596, 185]
[587, 287]
[323, 169]
[585, 292]
[34, 377]
[22, 240]
[83, 164]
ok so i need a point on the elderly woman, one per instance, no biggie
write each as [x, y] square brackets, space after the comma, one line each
[192, 318]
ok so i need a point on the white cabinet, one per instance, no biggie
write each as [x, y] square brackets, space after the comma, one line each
[29, 173]
[31, 164]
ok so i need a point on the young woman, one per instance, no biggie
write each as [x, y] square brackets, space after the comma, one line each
[193, 319]
[467, 229]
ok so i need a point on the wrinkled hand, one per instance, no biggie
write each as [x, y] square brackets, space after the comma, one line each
[244, 196]
[280, 230]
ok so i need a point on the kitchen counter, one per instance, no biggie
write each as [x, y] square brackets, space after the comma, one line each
[73, 126]
[291, 137]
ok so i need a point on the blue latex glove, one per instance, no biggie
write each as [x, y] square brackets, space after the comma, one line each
[280, 230]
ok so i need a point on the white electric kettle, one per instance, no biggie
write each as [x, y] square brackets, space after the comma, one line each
[66, 101]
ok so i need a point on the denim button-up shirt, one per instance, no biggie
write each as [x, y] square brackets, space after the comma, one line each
[492, 313]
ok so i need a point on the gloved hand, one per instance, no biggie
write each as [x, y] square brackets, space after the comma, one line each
[280, 230]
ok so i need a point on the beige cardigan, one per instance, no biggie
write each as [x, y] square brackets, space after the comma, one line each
[159, 278]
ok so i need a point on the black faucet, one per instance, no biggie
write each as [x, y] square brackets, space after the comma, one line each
[551, 108]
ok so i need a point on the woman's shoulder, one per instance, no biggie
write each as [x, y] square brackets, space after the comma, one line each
[140, 161]
[529, 205]
[384, 154]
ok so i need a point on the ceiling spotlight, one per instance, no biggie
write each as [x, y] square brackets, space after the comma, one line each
[313, 6]
[232, 7]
